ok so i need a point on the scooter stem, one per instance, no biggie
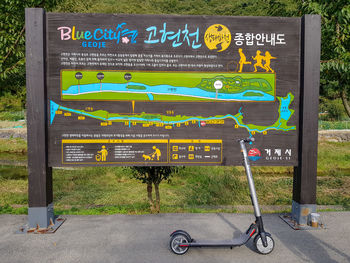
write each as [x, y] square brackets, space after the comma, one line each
[250, 180]
[252, 190]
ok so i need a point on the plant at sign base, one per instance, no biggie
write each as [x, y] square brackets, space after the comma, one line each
[153, 175]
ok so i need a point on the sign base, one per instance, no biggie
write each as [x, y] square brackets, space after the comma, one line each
[41, 220]
[301, 212]
[37, 230]
[293, 224]
[300, 216]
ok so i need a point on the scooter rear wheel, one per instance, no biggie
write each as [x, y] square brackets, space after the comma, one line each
[175, 242]
[260, 246]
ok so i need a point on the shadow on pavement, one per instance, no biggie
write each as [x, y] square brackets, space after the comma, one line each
[237, 232]
[302, 243]
[308, 247]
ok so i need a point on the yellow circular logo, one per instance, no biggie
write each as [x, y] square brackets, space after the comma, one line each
[217, 37]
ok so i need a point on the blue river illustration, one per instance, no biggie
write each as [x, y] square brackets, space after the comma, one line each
[285, 112]
[165, 90]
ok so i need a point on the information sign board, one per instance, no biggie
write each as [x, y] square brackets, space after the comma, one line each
[172, 90]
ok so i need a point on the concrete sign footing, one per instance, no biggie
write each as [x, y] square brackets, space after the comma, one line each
[300, 219]
[41, 220]
[293, 224]
[54, 225]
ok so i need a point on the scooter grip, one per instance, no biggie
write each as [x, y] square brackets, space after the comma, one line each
[247, 140]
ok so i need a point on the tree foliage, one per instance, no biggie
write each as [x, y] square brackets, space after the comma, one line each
[153, 176]
[335, 51]
[12, 37]
[12, 41]
[183, 7]
[335, 30]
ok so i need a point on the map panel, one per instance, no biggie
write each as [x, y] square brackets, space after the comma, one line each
[167, 86]
[171, 90]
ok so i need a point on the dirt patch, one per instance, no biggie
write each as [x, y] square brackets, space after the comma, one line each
[13, 129]
[13, 133]
[334, 135]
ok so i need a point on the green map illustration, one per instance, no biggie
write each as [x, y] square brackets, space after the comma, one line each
[167, 86]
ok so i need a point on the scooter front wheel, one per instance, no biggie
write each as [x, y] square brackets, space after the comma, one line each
[179, 244]
[260, 246]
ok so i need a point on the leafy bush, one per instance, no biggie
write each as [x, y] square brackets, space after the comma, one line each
[332, 110]
[336, 110]
[12, 116]
[10, 102]
[333, 125]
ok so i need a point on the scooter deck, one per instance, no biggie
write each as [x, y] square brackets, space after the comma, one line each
[241, 240]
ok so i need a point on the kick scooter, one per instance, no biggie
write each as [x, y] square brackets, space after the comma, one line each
[181, 241]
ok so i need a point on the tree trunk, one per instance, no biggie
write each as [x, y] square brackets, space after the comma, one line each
[156, 188]
[345, 101]
[150, 198]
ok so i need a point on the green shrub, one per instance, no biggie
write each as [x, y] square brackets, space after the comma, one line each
[10, 102]
[12, 115]
[333, 125]
[336, 110]
[332, 110]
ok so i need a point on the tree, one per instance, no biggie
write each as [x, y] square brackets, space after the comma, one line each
[153, 175]
[335, 51]
[12, 42]
[12, 39]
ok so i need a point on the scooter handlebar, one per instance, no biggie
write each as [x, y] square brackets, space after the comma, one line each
[247, 140]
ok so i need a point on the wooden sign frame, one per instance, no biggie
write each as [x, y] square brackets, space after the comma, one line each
[40, 173]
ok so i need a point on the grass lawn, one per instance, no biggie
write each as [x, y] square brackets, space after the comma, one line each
[108, 190]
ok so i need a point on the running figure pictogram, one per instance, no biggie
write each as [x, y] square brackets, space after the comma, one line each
[243, 60]
[258, 58]
[268, 58]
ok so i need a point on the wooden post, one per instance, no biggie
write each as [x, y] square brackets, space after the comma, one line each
[305, 174]
[40, 195]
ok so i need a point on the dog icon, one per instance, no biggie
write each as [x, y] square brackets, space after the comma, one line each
[147, 157]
